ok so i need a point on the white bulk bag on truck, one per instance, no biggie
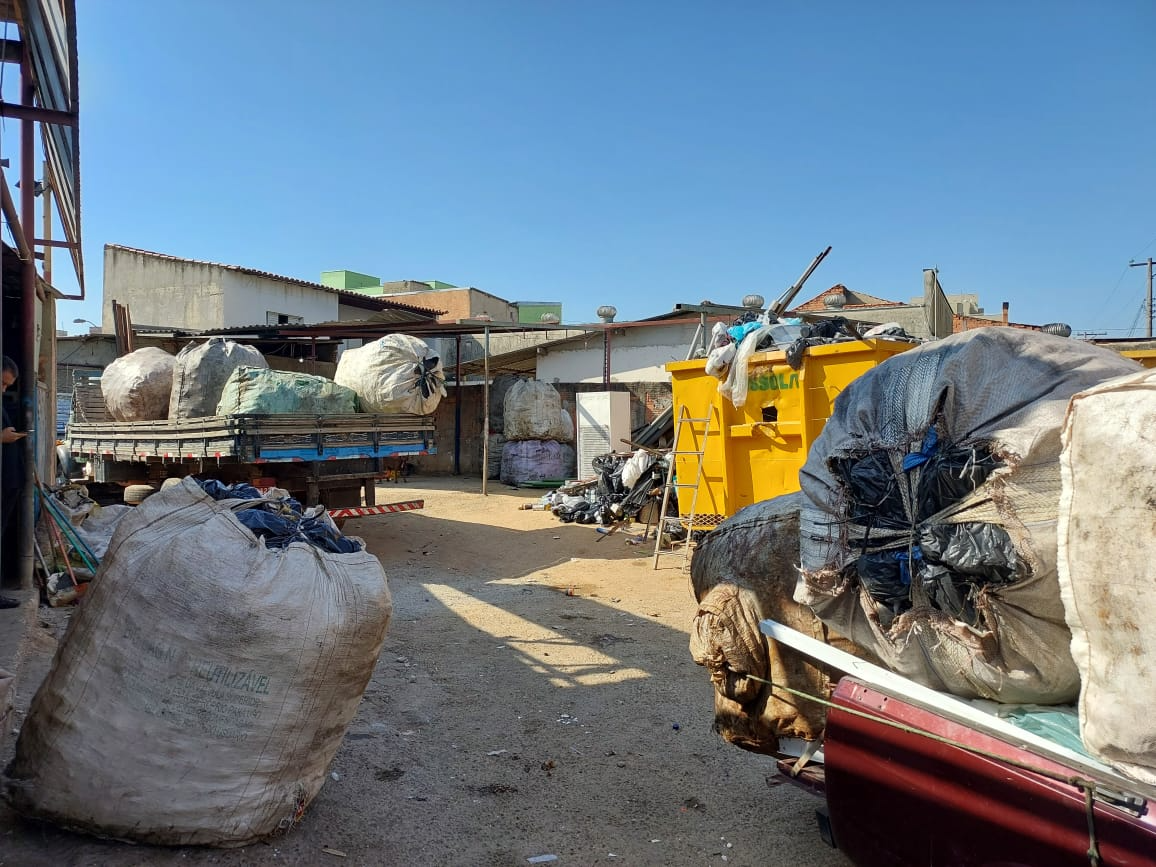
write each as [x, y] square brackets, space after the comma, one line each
[201, 372]
[205, 684]
[934, 492]
[137, 386]
[395, 374]
[1107, 573]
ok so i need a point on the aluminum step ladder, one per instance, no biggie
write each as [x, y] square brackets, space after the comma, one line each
[673, 484]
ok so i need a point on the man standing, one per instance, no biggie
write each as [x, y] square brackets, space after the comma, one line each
[11, 472]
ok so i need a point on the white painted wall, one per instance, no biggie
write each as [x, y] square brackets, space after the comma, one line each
[162, 292]
[247, 299]
[636, 355]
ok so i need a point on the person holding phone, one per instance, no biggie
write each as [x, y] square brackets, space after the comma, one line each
[11, 472]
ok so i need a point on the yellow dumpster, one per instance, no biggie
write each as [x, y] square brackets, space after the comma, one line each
[754, 452]
[1146, 357]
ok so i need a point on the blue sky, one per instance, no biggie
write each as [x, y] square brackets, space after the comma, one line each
[634, 153]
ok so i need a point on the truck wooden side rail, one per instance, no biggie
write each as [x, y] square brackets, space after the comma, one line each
[326, 458]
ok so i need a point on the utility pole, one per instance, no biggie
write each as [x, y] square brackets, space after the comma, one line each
[1141, 265]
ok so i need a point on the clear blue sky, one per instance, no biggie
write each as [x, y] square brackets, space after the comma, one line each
[634, 153]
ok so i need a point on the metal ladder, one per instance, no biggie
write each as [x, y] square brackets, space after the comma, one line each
[671, 485]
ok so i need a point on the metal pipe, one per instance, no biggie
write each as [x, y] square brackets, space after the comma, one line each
[28, 375]
[458, 408]
[14, 219]
[486, 423]
[779, 307]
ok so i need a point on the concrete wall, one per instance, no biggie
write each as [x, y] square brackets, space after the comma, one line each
[249, 298]
[163, 292]
[636, 355]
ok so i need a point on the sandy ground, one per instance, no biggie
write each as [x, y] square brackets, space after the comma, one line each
[535, 696]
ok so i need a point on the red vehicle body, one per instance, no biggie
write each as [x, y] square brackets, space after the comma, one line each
[914, 777]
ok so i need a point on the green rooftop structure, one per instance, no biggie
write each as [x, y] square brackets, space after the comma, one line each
[352, 281]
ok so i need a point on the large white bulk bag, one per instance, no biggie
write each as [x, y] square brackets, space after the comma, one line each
[533, 411]
[201, 371]
[395, 374]
[935, 489]
[536, 461]
[137, 386]
[1107, 572]
[205, 684]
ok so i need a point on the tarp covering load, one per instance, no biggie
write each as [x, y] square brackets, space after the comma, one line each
[537, 461]
[203, 688]
[744, 572]
[533, 411]
[201, 372]
[137, 386]
[1107, 572]
[396, 373]
[936, 487]
[259, 391]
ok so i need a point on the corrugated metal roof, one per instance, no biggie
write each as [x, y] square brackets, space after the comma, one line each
[356, 299]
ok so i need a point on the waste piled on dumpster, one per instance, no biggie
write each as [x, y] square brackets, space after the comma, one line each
[138, 386]
[397, 373]
[930, 536]
[259, 391]
[744, 571]
[201, 371]
[205, 685]
[1106, 570]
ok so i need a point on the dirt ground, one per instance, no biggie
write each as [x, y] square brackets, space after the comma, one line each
[535, 696]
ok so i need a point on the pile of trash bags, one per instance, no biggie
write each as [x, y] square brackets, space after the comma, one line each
[138, 386]
[624, 485]
[207, 680]
[259, 391]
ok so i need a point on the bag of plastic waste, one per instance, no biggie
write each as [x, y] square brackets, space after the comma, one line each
[203, 688]
[1107, 573]
[935, 490]
[260, 391]
[536, 461]
[201, 371]
[396, 373]
[533, 411]
[744, 572]
[137, 386]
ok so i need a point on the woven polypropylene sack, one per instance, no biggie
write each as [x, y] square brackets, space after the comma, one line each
[205, 684]
[259, 391]
[201, 371]
[996, 391]
[1107, 574]
[533, 411]
[137, 386]
[536, 461]
[397, 373]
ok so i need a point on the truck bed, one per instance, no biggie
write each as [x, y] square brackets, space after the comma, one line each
[255, 438]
